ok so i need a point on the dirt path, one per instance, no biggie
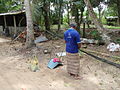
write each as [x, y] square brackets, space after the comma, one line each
[3, 40]
[15, 75]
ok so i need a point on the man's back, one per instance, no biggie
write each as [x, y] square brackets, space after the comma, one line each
[72, 39]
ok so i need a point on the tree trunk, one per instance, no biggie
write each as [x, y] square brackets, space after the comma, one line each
[30, 31]
[97, 23]
[75, 13]
[77, 20]
[99, 11]
[47, 23]
[87, 19]
[118, 7]
[81, 17]
[60, 15]
[46, 15]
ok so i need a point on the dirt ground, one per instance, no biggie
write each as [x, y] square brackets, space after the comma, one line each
[15, 74]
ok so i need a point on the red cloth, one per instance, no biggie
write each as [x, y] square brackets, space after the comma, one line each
[56, 60]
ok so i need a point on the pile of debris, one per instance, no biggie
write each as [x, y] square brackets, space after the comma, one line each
[91, 41]
[39, 36]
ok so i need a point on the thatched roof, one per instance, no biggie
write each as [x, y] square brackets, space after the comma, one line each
[12, 13]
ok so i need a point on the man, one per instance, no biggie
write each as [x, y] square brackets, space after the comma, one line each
[72, 39]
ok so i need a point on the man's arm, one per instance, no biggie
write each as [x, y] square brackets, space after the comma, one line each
[64, 38]
[65, 41]
[78, 40]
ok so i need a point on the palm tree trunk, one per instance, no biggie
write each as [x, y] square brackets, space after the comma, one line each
[30, 31]
[97, 23]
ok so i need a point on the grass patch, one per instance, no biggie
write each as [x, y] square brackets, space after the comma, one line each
[106, 26]
[112, 27]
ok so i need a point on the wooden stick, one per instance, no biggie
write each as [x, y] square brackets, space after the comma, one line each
[18, 36]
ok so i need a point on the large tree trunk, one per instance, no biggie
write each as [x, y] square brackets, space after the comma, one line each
[97, 23]
[118, 7]
[75, 13]
[30, 31]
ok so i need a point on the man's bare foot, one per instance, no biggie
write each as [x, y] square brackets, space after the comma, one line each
[77, 77]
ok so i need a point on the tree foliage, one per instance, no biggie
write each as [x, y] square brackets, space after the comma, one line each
[114, 8]
[10, 5]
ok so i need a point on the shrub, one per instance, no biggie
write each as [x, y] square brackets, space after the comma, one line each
[95, 35]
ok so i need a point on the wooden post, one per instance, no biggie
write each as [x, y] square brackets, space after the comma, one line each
[15, 27]
[5, 23]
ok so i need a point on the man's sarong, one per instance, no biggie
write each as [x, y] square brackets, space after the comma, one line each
[73, 63]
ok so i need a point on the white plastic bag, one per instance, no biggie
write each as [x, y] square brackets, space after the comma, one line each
[113, 47]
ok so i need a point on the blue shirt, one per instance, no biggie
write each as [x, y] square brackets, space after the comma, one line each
[72, 38]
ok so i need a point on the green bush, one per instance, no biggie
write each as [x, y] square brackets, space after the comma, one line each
[95, 35]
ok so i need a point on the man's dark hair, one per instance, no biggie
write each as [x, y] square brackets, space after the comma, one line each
[72, 25]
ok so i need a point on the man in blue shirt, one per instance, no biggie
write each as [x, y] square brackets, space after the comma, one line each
[72, 39]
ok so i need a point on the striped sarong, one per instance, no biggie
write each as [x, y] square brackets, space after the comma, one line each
[73, 63]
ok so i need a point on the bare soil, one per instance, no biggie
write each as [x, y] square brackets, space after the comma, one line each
[15, 74]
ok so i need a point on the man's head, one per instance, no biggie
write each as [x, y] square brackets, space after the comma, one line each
[73, 26]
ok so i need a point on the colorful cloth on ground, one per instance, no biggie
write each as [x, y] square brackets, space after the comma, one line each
[72, 38]
[73, 63]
